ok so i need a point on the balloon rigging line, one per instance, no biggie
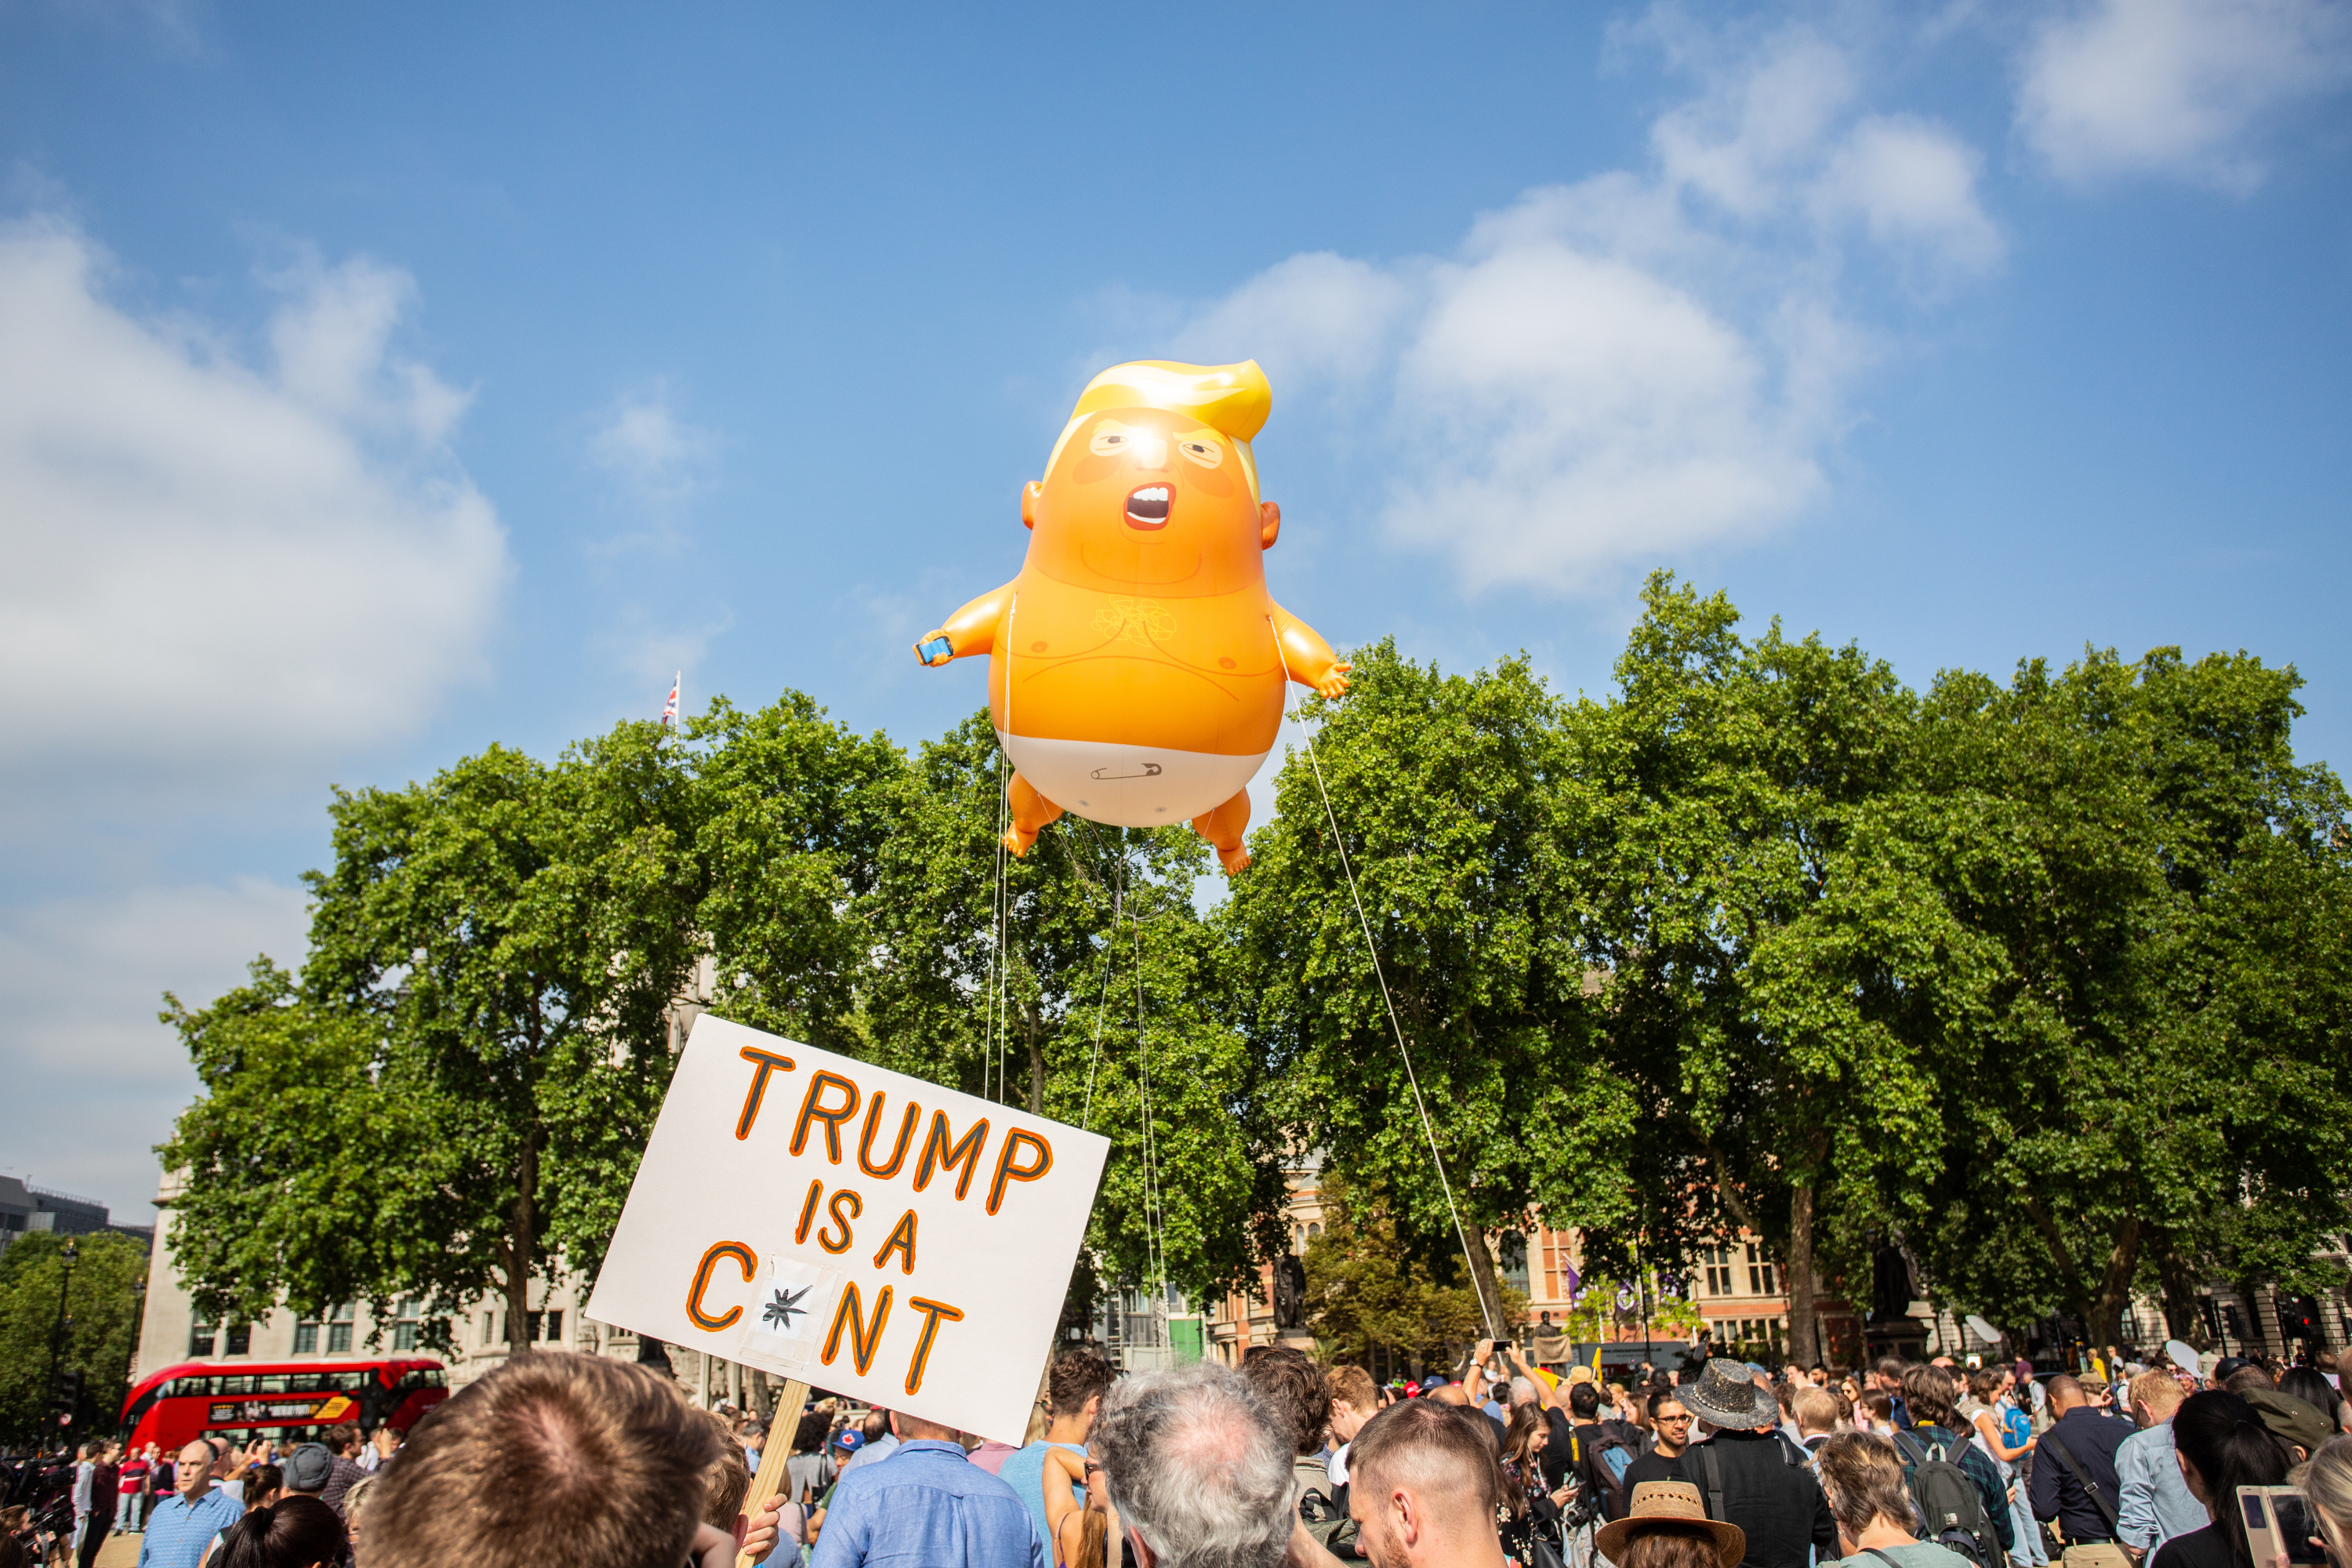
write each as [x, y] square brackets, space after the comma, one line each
[1119, 888]
[1427, 1131]
[990, 1050]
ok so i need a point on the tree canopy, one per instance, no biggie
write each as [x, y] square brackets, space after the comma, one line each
[2048, 981]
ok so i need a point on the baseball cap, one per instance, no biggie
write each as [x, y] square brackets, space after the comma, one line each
[849, 1437]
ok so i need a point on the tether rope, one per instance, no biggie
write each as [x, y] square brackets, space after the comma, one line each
[1428, 1131]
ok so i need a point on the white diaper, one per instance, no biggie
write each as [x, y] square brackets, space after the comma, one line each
[1128, 787]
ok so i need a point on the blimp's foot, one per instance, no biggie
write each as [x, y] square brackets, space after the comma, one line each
[1031, 812]
[1222, 828]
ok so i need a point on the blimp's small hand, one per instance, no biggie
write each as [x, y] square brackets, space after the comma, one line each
[1334, 684]
[933, 647]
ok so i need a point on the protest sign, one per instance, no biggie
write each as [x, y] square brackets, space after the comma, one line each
[854, 1228]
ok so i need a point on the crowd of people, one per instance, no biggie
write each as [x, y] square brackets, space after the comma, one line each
[592, 1463]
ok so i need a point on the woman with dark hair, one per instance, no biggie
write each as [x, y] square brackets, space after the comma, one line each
[1534, 1507]
[2222, 1445]
[2311, 1385]
[299, 1533]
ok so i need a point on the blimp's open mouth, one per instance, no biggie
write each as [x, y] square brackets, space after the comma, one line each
[1148, 507]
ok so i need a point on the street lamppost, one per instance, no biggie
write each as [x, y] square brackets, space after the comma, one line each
[57, 1338]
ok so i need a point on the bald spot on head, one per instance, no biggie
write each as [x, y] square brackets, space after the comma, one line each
[1452, 1394]
[2065, 1393]
[198, 1453]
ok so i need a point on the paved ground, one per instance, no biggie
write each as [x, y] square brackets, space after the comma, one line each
[119, 1552]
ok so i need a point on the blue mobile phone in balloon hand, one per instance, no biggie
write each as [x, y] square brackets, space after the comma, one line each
[933, 649]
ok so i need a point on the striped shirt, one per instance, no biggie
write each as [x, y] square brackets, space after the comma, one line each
[177, 1531]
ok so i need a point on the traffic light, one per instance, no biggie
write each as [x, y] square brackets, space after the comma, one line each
[68, 1397]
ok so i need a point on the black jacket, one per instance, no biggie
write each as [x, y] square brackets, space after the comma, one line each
[2092, 1437]
[1767, 1492]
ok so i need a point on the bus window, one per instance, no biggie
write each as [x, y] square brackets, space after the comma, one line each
[233, 1385]
[273, 1382]
[436, 1378]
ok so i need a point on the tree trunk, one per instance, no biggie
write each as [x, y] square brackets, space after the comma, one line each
[1804, 1323]
[2182, 1319]
[1482, 1280]
[522, 1244]
[2105, 1316]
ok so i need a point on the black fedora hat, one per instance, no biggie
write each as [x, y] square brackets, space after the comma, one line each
[1726, 1395]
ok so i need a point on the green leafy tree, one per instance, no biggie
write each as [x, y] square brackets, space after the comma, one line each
[100, 1301]
[1378, 1296]
[1449, 794]
[481, 1024]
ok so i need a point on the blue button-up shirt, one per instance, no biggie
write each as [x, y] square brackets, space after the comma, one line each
[925, 1506]
[178, 1529]
[2156, 1503]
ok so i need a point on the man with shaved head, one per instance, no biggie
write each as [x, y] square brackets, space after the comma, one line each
[1422, 1485]
[183, 1525]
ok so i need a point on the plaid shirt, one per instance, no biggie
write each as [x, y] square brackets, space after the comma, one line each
[177, 1531]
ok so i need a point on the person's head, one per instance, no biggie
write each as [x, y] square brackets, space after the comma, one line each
[1422, 1486]
[1862, 1477]
[548, 1459]
[2155, 1396]
[1816, 1410]
[1584, 1401]
[2066, 1394]
[726, 1480]
[1354, 1400]
[1291, 1386]
[2249, 1375]
[1665, 1526]
[1075, 1387]
[915, 1429]
[2222, 1445]
[1199, 1468]
[1929, 1392]
[308, 1470]
[1523, 1440]
[1986, 1383]
[295, 1532]
[191, 1472]
[355, 1504]
[1454, 1395]
[2311, 1385]
[1670, 1420]
[809, 1437]
[1875, 1410]
[343, 1441]
[877, 1423]
[2328, 1482]
[264, 1484]
[1524, 1391]
[1888, 1374]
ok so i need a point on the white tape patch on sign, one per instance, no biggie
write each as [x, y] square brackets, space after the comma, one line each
[856, 1229]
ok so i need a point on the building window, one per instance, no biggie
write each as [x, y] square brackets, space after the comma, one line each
[1514, 1249]
[1760, 1274]
[404, 1325]
[489, 1327]
[240, 1339]
[200, 1339]
[1718, 1269]
[306, 1338]
[545, 1328]
[339, 1329]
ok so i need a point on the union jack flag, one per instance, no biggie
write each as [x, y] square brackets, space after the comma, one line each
[669, 710]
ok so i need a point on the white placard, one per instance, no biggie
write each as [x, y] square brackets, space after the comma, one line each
[861, 1230]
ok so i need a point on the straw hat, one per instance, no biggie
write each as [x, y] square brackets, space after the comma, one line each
[1669, 1502]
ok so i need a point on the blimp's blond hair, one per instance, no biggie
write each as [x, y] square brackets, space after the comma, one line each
[1231, 399]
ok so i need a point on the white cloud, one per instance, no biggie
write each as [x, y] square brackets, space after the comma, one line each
[2176, 87]
[660, 461]
[1644, 360]
[216, 569]
[95, 1081]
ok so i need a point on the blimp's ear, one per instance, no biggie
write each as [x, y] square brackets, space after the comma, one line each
[1031, 493]
[1269, 524]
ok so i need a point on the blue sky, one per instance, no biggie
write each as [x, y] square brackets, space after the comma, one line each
[379, 382]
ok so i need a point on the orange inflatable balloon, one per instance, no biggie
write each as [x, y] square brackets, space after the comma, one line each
[1137, 665]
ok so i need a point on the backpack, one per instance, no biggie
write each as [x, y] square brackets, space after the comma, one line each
[1951, 1512]
[1611, 1454]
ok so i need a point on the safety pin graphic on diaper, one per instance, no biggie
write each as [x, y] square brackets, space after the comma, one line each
[1151, 771]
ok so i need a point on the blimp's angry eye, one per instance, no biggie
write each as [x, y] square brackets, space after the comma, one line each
[1148, 507]
[1111, 441]
[1206, 453]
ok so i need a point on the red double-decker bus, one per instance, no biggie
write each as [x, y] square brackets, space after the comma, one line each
[292, 1400]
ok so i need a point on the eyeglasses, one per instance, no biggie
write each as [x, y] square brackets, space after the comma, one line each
[1681, 1420]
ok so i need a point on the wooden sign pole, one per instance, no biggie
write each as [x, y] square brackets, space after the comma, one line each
[773, 1457]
